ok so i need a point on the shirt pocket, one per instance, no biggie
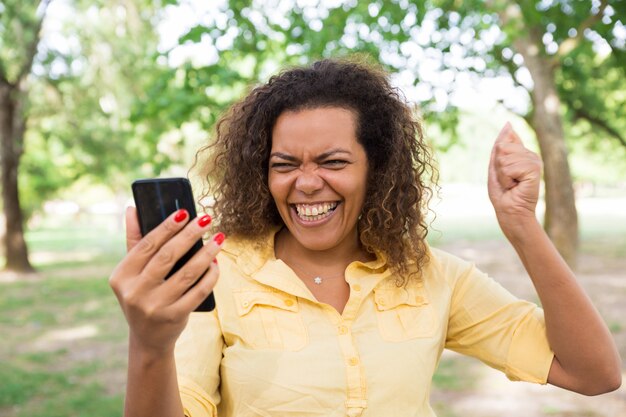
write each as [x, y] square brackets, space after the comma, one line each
[270, 320]
[404, 312]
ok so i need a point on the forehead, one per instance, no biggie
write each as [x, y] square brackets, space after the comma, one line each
[315, 129]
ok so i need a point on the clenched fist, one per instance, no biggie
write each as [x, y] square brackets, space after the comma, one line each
[514, 179]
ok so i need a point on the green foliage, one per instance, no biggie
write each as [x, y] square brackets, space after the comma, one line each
[107, 105]
[435, 41]
[18, 19]
[95, 61]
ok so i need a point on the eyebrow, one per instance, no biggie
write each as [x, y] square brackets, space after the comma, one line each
[320, 157]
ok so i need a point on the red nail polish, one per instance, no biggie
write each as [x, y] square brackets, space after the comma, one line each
[180, 215]
[204, 220]
[215, 261]
[219, 238]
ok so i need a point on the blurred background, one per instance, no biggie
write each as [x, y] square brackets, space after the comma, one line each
[94, 94]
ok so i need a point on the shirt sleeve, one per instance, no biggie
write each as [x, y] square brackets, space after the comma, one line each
[489, 323]
[198, 355]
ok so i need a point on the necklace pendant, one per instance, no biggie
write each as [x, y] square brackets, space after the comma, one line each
[317, 280]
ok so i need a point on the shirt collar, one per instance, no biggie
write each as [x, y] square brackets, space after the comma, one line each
[257, 259]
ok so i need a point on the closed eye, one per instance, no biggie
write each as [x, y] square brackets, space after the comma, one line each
[282, 166]
[335, 163]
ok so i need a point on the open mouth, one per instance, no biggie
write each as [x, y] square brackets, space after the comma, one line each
[314, 212]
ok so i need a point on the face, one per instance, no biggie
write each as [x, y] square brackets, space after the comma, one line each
[318, 175]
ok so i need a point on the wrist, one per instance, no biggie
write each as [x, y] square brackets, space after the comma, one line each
[146, 354]
[520, 229]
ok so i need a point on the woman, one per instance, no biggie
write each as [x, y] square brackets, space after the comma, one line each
[329, 301]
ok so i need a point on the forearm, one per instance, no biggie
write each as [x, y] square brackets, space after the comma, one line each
[582, 343]
[152, 387]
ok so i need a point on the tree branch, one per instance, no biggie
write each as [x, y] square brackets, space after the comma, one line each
[510, 66]
[582, 114]
[31, 49]
[4, 81]
[571, 43]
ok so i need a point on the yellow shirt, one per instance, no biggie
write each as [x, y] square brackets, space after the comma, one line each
[271, 349]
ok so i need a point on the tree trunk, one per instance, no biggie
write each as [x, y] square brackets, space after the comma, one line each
[561, 219]
[12, 139]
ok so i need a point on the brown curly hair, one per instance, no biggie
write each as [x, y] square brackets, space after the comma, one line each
[401, 171]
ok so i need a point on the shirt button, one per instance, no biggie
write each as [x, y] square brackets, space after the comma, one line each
[356, 287]
[245, 304]
[353, 361]
[289, 303]
[343, 330]
[381, 301]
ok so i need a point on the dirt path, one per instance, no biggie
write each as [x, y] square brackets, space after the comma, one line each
[493, 394]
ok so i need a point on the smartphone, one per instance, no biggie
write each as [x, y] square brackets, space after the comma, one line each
[156, 199]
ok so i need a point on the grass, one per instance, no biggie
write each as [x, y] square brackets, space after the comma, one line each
[453, 374]
[63, 332]
[615, 327]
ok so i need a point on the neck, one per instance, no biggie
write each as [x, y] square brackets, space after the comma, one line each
[288, 249]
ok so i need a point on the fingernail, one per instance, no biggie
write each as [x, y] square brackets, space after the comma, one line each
[215, 261]
[219, 238]
[204, 220]
[180, 215]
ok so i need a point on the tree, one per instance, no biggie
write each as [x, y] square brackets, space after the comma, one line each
[91, 72]
[551, 50]
[67, 95]
[20, 26]
[557, 43]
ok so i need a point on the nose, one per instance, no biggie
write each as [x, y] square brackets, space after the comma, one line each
[309, 182]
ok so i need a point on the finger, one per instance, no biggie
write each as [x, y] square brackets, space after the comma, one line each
[505, 180]
[147, 246]
[174, 247]
[501, 140]
[520, 167]
[179, 283]
[508, 135]
[504, 153]
[133, 233]
[509, 148]
[198, 293]
[499, 161]
[492, 176]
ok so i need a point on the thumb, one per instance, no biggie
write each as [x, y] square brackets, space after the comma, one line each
[133, 232]
[502, 137]
[508, 135]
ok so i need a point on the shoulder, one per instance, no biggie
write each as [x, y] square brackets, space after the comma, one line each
[237, 246]
[444, 265]
[242, 257]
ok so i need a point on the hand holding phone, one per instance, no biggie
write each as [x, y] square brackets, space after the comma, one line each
[158, 198]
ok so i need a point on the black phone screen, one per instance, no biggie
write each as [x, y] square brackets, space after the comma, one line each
[156, 199]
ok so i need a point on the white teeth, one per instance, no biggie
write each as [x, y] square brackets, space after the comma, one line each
[313, 212]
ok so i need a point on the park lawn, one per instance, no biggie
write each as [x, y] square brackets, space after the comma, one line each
[64, 336]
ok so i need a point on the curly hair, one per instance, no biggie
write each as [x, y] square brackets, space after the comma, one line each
[401, 171]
